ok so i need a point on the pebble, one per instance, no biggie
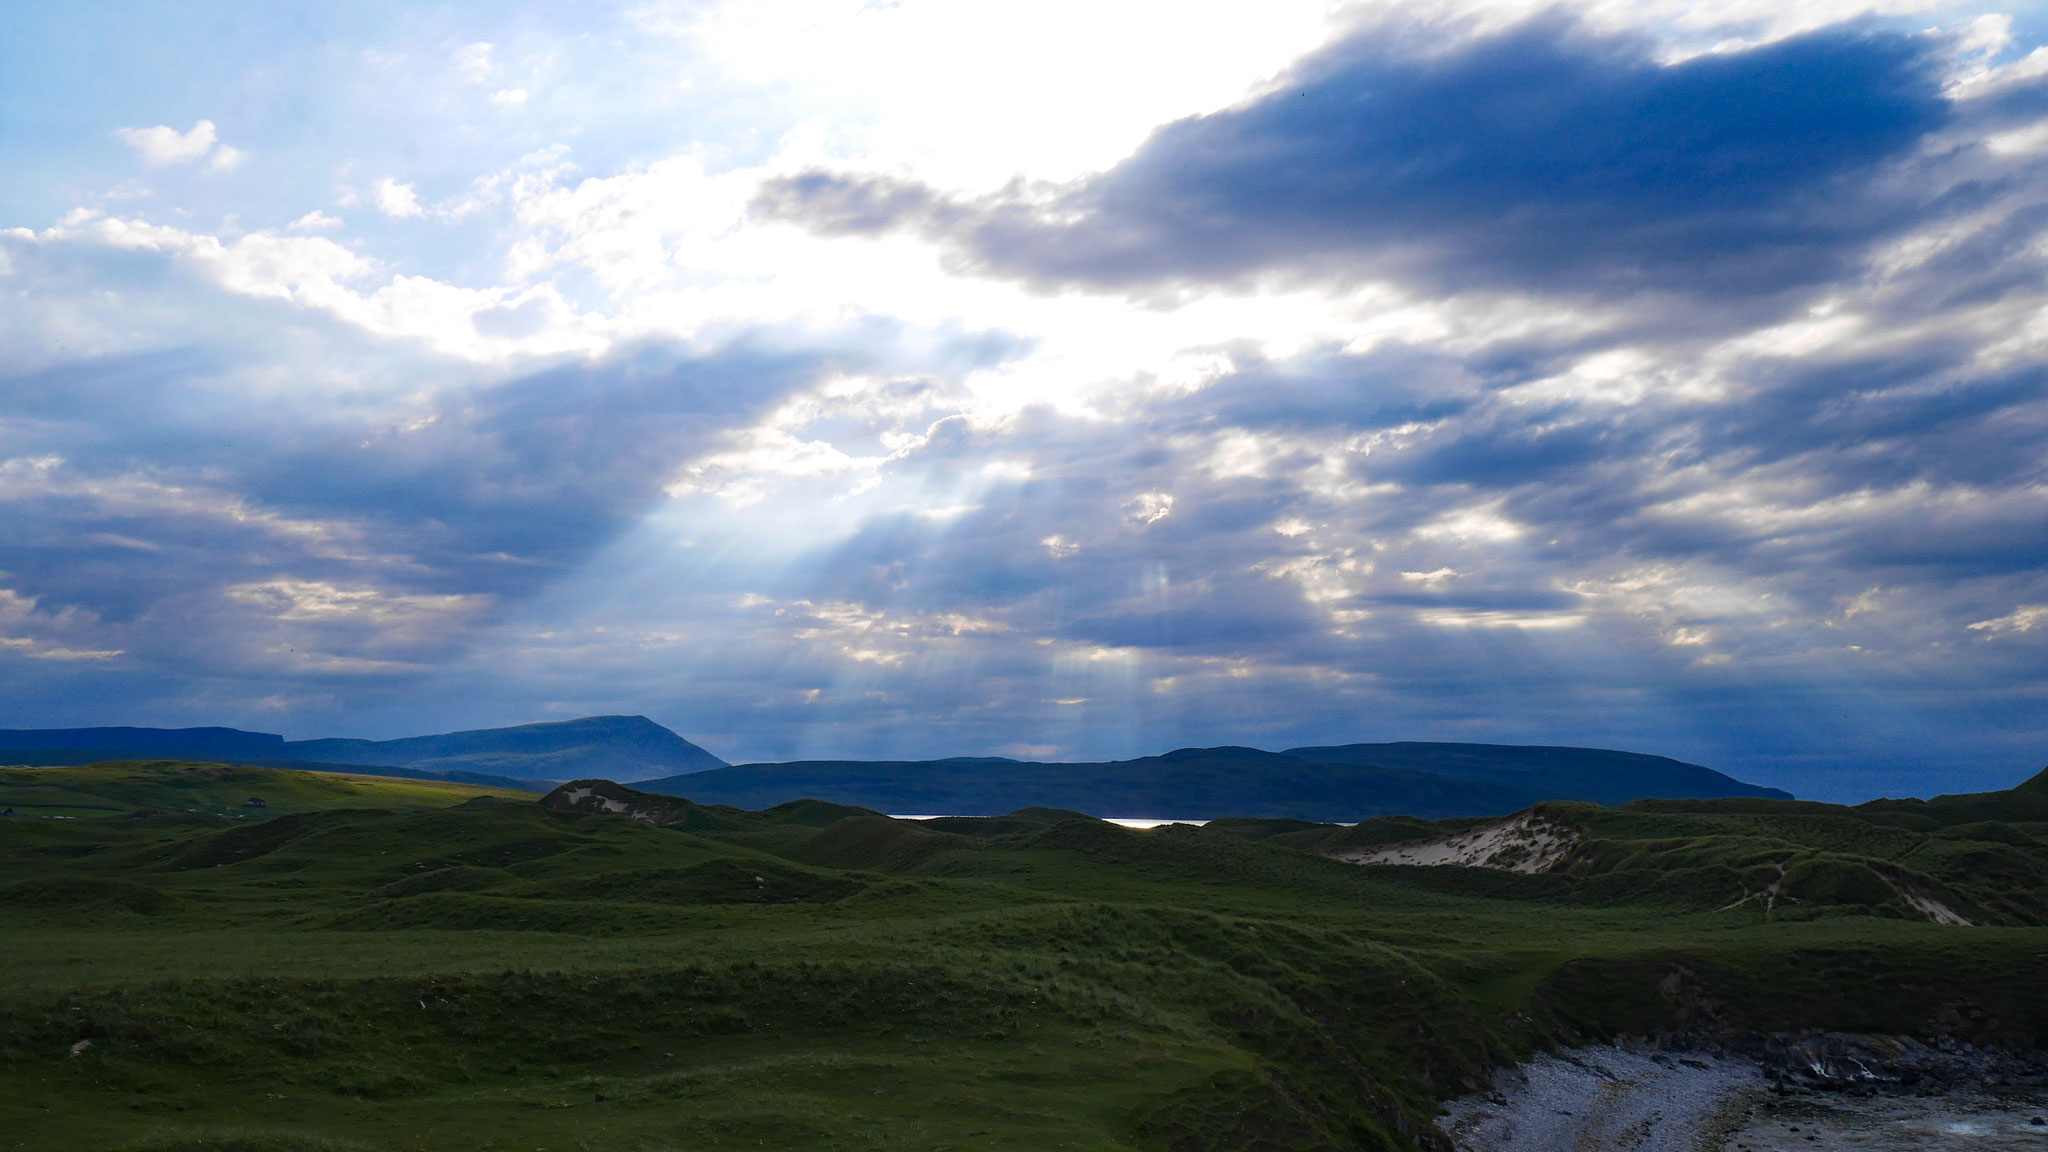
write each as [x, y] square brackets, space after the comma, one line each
[1601, 1098]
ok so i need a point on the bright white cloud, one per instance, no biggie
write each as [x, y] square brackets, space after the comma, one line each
[2023, 619]
[166, 145]
[396, 200]
[318, 273]
[1149, 507]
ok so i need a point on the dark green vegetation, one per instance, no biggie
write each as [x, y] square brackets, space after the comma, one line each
[1981, 859]
[615, 970]
[1348, 782]
[617, 747]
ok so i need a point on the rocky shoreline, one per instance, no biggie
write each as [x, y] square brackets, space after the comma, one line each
[1853, 1063]
[1816, 1091]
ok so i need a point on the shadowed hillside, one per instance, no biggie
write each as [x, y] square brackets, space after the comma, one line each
[619, 747]
[1535, 773]
[1976, 859]
[1427, 780]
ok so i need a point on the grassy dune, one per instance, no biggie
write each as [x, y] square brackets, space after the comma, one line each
[460, 970]
[173, 786]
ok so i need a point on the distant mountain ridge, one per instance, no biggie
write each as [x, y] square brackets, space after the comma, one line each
[623, 748]
[1330, 782]
[188, 743]
[1346, 782]
[1542, 772]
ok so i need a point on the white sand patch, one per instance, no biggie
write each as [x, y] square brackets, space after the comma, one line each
[605, 802]
[1524, 842]
[610, 804]
[1935, 910]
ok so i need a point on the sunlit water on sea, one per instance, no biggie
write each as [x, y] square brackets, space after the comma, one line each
[1961, 1123]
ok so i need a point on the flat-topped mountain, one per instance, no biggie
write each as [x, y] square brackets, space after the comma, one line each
[83, 745]
[1433, 781]
[622, 748]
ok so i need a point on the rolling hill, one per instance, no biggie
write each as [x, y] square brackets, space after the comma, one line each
[613, 970]
[238, 791]
[1337, 782]
[1433, 781]
[1535, 773]
[622, 748]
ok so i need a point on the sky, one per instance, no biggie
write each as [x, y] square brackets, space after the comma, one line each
[1056, 380]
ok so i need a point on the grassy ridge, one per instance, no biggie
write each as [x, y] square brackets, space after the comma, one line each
[173, 786]
[1983, 858]
[503, 974]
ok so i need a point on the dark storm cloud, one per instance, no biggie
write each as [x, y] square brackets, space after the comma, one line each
[1545, 158]
[316, 543]
[537, 471]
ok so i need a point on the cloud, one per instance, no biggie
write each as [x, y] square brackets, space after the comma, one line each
[1149, 507]
[317, 273]
[399, 201]
[473, 62]
[2022, 619]
[1631, 381]
[1360, 539]
[1541, 158]
[29, 632]
[164, 145]
[357, 526]
[365, 547]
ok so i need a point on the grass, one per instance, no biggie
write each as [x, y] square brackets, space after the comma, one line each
[455, 969]
[221, 790]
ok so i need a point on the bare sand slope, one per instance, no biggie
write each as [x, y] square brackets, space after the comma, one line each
[1607, 1099]
[1523, 842]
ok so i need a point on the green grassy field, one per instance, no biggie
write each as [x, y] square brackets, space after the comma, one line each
[224, 790]
[390, 964]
